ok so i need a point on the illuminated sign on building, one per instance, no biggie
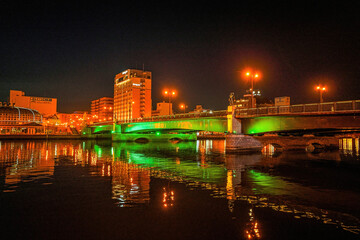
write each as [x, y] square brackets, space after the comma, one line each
[40, 99]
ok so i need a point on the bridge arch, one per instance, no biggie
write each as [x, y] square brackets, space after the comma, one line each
[276, 145]
[142, 140]
[314, 144]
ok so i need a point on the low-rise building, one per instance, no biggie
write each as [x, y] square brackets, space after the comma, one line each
[18, 120]
[102, 109]
[44, 105]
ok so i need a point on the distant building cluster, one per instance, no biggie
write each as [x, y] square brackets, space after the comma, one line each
[132, 99]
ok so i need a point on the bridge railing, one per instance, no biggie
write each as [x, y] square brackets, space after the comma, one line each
[327, 107]
[318, 108]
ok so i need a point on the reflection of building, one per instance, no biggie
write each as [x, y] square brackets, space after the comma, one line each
[350, 145]
[132, 94]
[102, 109]
[44, 105]
[19, 159]
[17, 120]
[130, 183]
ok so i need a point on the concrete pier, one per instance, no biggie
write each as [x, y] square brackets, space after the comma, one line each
[237, 143]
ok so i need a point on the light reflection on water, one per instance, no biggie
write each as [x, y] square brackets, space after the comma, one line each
[201, 165]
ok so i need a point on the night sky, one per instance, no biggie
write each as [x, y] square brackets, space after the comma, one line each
[72, 51]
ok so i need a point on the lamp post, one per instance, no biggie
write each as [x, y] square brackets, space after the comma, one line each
[252, 76]
[321, 89]
[183, 107]
[170, 94]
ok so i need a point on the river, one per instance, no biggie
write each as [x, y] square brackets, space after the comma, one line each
[72, 189]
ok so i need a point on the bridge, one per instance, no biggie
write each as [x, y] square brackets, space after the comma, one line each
[316, 118]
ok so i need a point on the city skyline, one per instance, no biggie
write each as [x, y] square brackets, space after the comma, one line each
[72, 52]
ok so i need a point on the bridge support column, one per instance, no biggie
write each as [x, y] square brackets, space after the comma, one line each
[234, 125]
[238, 143]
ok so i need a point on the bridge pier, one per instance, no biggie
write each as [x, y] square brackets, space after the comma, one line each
[233, 124]
[236, 143]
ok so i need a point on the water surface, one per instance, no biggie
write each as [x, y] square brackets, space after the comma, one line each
[186, 190]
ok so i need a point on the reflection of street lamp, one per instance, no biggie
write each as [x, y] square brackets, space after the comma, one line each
[168, 197]
[321, 89]
[252, 76]
[183, 107]
[170, 94]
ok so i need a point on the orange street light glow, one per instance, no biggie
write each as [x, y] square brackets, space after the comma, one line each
[321, 88]
[167, 92]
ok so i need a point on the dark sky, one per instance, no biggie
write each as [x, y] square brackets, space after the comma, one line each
[72, 51]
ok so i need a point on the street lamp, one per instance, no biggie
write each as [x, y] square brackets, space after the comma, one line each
[252, 76]
[183, 107]
[169, 94]
[321, 89]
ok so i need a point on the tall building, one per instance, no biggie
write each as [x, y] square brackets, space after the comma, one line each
[132, 95]
[102, 109]
[44, 105]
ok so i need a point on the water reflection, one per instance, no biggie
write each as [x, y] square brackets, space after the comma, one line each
[168, 199]
[276, 180]
[349, 146]
[252, 227]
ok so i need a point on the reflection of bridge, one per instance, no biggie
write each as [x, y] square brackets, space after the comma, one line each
[330, 117]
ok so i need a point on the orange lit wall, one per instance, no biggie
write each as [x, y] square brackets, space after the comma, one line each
[44, 105]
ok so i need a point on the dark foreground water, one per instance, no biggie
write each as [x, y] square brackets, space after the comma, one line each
[104, 190]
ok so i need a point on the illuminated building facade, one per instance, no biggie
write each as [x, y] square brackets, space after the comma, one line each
[162, 109]
[73, 122]
[102, 109]
[132, 95]
[44, 105]
[17, 120]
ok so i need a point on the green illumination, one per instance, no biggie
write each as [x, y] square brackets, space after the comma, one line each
[155, 136]
[184, 170]
[103, 128]
[273, 185]
[199, 124]
[98, 150]
[264, 124]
